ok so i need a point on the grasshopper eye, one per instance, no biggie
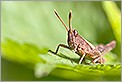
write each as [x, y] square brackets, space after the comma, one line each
[75, 33]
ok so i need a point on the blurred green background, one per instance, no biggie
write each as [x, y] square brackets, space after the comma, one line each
[30, 29]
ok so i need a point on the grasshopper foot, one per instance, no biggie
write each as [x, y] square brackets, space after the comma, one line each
[52, 51]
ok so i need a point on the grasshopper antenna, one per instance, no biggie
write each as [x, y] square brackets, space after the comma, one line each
[70, 20]
[60, 19]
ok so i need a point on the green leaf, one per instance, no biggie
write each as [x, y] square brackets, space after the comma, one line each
[26, 53]
[46, 64]
[43, 69]
[114, 16]
[67, 69]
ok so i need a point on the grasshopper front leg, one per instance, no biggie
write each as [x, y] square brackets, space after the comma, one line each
[60, 45]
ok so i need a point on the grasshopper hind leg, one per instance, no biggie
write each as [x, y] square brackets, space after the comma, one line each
[100, 60]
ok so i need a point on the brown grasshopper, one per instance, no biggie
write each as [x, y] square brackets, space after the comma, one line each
[81, 46]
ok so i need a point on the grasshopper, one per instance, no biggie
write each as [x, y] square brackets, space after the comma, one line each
[81, 46]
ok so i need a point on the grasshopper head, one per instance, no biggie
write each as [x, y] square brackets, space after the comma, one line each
[72, 34]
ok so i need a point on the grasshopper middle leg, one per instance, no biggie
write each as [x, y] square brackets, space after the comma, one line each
[81, 59]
